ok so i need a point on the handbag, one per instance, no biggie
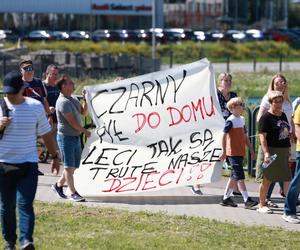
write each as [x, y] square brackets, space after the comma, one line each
[15, 170]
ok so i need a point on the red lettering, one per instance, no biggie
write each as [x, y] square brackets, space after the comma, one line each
[150, 181]
[130, 181]
[171, 109]
[112, 188]
[158, 120]
[189, 111]
[140, 126]
[169, 171]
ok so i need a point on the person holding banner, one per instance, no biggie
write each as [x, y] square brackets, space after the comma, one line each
[274, 132]
[278, 83]
[224, 95]
[69, 126]
[233, 145]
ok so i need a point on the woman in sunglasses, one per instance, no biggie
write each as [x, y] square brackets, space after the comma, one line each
[274, 132]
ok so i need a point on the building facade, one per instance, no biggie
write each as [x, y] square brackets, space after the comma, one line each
[80, 14]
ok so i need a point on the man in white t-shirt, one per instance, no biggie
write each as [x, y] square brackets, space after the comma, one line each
[23, 120]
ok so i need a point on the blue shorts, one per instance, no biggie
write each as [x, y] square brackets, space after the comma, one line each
[70, 149]
[237, 171]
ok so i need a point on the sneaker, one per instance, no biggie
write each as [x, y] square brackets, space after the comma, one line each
[27, 245]
[250, 203]
[59, 191]
[9, 246]
[196, 191]
[271, 204]
[228, 202]
[291, 218]
[264, 210]
[76, 197]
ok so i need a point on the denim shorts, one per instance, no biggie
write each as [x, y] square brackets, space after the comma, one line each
[70, 149]
[237, 171]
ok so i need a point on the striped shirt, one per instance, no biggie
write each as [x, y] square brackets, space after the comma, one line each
[18, 144]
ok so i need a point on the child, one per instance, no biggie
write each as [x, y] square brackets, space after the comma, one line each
[233, 145]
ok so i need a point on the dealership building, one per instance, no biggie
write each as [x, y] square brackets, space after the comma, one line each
[80, 14]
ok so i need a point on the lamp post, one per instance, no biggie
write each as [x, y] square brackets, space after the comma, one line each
[153, 34]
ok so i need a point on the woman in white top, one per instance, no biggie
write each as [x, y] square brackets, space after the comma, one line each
[278, 83]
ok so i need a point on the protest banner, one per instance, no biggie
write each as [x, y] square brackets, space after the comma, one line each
[155, 131]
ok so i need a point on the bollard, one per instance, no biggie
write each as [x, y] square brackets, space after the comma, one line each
[227, 63]
[254, 62]
[171, 58]
[280, 62]
[76, 65]
[4, 65]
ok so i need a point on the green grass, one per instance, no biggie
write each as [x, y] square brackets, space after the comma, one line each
[68, 226]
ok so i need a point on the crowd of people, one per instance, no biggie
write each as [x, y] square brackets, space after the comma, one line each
[35, 109]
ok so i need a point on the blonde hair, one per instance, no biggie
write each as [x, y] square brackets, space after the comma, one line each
[223, 75]
[274, 94]
[234, 102]
[285, 94]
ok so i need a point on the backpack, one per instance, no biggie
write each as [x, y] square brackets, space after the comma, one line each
[5, 112]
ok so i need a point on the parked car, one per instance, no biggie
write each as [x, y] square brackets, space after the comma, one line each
[38, 35]
[213, 36]
[159, 35]
[60, 35]
[79, 35]
[100, 35]
[174, 35]
[234, 36]
[8, 35]
[199, 35]
[255, 35]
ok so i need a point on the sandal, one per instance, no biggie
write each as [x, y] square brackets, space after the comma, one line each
[271, 204]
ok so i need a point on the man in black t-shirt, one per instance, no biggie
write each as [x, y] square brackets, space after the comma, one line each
[34, 86]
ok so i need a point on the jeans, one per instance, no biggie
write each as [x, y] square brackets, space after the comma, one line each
[70, 149]
[18, 191]
[293, 191]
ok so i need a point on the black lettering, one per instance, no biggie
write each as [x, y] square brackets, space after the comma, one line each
[88, 156]
[118, 99]
[113, 172]
[173, 149]
[194, 140]
[208, 137]
[97, 171]
[92, 101]
[159, 91]
[145, 94]
[97, 162]
[215, 155]
[149, 170]
[132, 96]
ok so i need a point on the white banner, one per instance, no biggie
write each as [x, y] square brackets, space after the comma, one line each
[155, 131]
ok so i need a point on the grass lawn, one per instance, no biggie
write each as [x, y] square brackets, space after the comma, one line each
[68, 226]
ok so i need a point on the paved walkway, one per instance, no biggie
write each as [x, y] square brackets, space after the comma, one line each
[180, 201]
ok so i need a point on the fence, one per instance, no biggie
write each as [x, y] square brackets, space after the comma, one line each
[84, 65]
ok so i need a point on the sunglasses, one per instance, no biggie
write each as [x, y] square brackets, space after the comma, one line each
[28, 68]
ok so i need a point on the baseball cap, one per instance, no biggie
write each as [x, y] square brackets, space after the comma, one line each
[25, 63]
[12, 83]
